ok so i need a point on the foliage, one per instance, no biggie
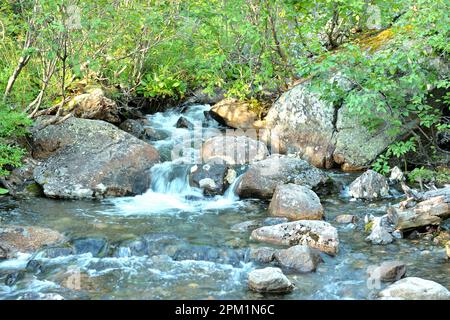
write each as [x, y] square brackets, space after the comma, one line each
[389, 79]
[12, 125]
[390, 58]
[426, 175]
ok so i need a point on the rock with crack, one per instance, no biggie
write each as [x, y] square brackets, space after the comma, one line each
[370, 185]
[91, 159]
[299, 258]
[412, 288]
[296, 203]
[262, 177]
[269, 280]
[262, 255]
[184, 123]
[317, 234]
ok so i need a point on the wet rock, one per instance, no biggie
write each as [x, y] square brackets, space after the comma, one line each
[135, 128]
[397, 234]
[20, 182]
[383, 227]
[34, 266]
[246, 226]
[208, 253]
[155, 135]
[14, 239]
[91, 159]
[262, 255]
[232, 149]
[269, 280]
[296, 203]
[234, 113]
[264, 176]
[150, 244]
[96, 106]
[388, 271]
[300, 258]
[412, 288]
[316, 234]
[96, 246]
[370, 185]
[12, 278]
[211, 177]
[346, 218]
[184, 123]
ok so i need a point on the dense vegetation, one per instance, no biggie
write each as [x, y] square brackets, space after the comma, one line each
[394, 54]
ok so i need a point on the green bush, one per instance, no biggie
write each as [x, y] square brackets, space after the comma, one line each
[13, 124]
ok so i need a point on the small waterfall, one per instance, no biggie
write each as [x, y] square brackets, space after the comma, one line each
[230, 194]
[170, 178]
[170, 191]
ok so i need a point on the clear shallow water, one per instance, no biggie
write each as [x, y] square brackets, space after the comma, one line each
[176, 211]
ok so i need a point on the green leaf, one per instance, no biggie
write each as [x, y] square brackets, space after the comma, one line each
[3, 191]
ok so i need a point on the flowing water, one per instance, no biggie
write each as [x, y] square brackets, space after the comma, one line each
[174, 243]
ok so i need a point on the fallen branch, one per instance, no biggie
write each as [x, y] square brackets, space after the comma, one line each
[431, 208]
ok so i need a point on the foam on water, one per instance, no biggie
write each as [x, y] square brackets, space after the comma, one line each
[170, 192]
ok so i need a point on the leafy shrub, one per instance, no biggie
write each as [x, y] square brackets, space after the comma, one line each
[13, 124]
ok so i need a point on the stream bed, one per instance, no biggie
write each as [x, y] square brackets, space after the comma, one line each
[174, 243]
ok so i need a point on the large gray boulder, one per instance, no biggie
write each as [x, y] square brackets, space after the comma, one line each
[269, 280]
[325, 135]
[370, 185]
[412, 288]
[356, 147]
[264, 176]
[317, 234]
[296, 203]
[304, 124]
[87, 159]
